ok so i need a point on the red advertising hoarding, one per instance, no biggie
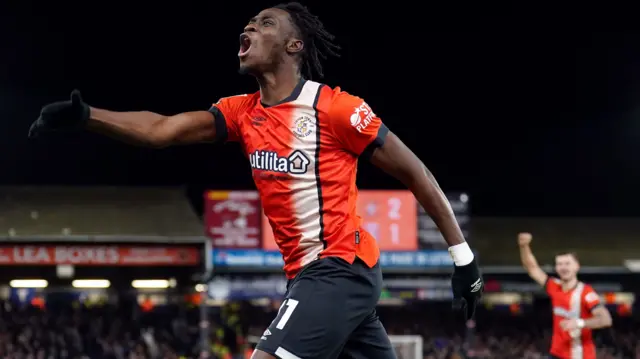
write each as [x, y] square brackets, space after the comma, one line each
[232, 219]
[106, 255]
[390, 216]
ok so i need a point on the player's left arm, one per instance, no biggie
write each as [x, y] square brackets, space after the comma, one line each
[395, 158]
[364, 134]
[601, 316]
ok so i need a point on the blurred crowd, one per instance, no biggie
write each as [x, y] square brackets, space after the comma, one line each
[111, 331]
[106, 331]
[499, 334]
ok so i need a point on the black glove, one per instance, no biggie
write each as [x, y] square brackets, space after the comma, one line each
[60, 116]
[467, 286]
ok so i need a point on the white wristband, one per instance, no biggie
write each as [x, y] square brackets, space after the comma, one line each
[580, 323]
[461, 254]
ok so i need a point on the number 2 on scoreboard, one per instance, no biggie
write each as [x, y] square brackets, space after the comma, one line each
[394, 204]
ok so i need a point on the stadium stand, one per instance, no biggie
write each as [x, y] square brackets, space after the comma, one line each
[597, 241]
[88, 211]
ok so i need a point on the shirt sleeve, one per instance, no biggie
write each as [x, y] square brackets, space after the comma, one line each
[590, 299]
[226, 112]
[552, 285]
[355, 126]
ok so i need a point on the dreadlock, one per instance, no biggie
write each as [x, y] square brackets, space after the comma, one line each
[318, 42]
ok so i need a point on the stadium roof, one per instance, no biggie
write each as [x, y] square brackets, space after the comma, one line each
[141, 212]
[596, 241]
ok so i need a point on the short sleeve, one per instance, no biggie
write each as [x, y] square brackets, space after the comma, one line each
[552, 285]
[355, 125]
[226, 112]
[590, 298]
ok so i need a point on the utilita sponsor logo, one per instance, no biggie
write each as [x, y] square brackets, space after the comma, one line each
[296, 163]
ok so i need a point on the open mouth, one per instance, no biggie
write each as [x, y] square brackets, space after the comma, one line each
[245, 45]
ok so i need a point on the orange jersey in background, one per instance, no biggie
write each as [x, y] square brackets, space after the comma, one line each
[304, 153]
[575, 303]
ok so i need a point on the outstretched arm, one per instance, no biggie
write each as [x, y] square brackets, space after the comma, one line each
[529, 261]
[152, 129]
[395, 158]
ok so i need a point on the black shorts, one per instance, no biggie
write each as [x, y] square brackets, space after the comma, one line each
[329, 312]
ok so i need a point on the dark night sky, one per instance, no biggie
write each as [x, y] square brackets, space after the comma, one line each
[529, 119]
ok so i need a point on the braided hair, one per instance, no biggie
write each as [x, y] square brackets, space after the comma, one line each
[318, 42]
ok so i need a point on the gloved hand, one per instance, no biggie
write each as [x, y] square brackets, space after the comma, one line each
[467, 285]
[60, 116]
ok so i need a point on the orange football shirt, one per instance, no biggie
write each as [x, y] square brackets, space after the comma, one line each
[304, 153]
[575, 303]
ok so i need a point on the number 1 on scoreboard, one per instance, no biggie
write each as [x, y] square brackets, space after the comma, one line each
[374, 229]
[394, 228]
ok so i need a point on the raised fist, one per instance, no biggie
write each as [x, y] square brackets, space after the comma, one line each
[524, 239]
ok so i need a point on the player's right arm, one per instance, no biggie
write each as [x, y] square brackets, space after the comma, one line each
[529, 261]
[152, 129]
[145, 128]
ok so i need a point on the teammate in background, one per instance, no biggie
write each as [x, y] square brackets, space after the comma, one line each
[576, 306]
[303, 140]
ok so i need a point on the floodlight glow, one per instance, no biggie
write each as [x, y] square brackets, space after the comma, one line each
[90, 283]
[28, 283]
[150, 284]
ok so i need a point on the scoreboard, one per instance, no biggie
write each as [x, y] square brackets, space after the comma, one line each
[408, 238]
[390, 216]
